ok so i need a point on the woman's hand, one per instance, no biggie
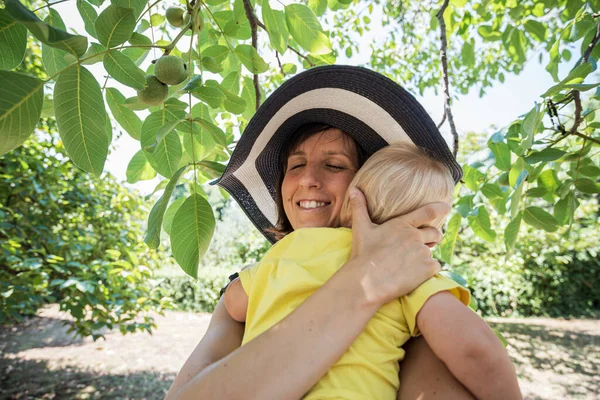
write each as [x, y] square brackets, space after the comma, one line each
[395, 256]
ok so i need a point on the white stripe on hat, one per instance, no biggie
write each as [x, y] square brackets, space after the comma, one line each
[342, 100]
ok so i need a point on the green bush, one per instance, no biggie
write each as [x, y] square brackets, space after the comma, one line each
[549, 274]
[187, 294]
[69, 238]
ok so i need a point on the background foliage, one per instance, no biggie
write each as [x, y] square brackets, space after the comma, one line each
[73, 240]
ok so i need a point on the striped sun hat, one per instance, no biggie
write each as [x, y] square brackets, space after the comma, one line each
[368, 106]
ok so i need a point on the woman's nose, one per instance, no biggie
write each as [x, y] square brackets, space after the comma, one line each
[311, 177]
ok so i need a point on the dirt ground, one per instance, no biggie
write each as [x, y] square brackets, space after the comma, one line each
[555, 359]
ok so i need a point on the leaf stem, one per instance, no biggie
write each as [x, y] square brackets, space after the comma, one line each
[147, 10]
[171, 46]
[49, 5]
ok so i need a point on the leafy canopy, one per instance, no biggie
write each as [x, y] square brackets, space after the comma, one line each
[535, 171]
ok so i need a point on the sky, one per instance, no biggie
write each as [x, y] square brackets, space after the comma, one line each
[502, 103]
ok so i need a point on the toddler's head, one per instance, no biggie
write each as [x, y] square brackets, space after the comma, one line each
[398, 179]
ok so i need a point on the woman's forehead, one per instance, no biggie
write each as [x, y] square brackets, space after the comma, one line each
[330, 142]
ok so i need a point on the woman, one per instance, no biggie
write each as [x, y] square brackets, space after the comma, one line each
[388, 261]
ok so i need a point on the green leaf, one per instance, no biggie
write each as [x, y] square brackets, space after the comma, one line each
[150, 127]
[277, 29]
[128, 120]
[289, 68]
[450, 236]
[496, 196]
[218, 52]
[501, 153]
[468, 54]
[586, 185]
[473, 178]
[191, 232]
[488, 33]
[89, 16]
[306, 29]
[539, 191]
[214, 130]
[138, 55]
[136, 5]
[546, 155]
[199, 146]
[481, 225]
[166, 129]
[155, 218]
[167, 154]
[511, 232]
[124, 70]
[251, 59]
[170, 213]
[13, 41]
[540, 219]
[530, 126]
[55, 60]
[74, 44]
[213, 96]
[115, 25]
[47, 108]
[95, 54]
[234, 104]
[156, 19]
[249, 96]
[464, 205]
[536, 29]
[21, 100]
[590, 170]
[564, 209]
[139, 169]
[517, 173]
[318, 6]
[81, 118]
[200, 110]
[231, 82]
[108, 130]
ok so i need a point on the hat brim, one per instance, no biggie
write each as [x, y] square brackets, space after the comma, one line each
[371, 108]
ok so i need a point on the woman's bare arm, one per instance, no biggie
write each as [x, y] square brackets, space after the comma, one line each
[287, 360]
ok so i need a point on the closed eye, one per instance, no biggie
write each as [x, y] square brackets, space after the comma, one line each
[336, 167]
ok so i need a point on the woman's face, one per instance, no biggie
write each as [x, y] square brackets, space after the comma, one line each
[318, 173]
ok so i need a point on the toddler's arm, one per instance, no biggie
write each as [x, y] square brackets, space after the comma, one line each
[470, 349]
[236, 300]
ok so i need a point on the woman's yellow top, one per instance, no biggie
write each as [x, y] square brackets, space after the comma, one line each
[298, 265]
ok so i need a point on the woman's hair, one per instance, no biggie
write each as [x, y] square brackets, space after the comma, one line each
[398, 179]
[303, 133]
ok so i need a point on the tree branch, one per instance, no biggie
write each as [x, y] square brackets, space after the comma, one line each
[590, 48]
[253, 26]
[586, 137]
[301, 56]
[444, 59]
[576, 96]
[279, 63]
[443, 119]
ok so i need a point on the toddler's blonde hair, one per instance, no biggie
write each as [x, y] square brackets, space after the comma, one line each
[398, 179]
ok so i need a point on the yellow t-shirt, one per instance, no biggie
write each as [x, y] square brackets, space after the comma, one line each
[302, 262]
